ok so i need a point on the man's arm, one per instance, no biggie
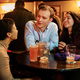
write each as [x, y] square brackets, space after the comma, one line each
[28, 34]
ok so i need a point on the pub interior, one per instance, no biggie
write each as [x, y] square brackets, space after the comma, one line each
[18, 71]
[61, 5]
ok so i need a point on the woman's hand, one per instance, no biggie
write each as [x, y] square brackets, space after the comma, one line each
[61, 45]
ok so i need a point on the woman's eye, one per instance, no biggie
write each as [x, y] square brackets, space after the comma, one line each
[68, 18]
[44, 18]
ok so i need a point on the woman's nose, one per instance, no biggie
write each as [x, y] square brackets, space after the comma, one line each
[65, 19]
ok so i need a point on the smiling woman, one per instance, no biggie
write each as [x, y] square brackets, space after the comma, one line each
[71, 31]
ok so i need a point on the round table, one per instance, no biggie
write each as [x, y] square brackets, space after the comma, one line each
[48, 70]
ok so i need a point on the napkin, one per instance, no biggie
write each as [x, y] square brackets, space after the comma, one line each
[62, 56]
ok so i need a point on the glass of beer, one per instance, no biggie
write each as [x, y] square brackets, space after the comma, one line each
[33, 52]
[40, 46]
[71, 53]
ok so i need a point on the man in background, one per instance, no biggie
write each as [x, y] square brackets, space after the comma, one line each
[20, 15]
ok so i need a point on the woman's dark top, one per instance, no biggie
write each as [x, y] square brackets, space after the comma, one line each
[75, 40]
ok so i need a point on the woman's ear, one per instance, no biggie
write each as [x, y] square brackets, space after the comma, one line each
[51, 20]
[8, 34]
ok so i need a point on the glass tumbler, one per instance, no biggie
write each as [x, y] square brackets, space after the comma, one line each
[44, 54]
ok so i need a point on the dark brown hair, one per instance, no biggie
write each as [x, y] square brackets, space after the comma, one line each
[6, 25]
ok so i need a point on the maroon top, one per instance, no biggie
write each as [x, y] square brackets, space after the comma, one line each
[74, 41]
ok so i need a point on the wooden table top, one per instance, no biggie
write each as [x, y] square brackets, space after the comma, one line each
[53, 65]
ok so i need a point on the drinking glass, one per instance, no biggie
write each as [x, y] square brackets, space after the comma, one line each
[71, 49]
[33, 52]
[44, 54]
[40, 46]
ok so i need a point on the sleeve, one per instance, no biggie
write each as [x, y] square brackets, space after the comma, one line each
[29, 35]
[54, 39]
[5, 72]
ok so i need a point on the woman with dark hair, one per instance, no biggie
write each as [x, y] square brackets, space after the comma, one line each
[71, 31]
[70, 35]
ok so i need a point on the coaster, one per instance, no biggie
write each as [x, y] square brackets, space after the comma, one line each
[71, 62]
[43, 62]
